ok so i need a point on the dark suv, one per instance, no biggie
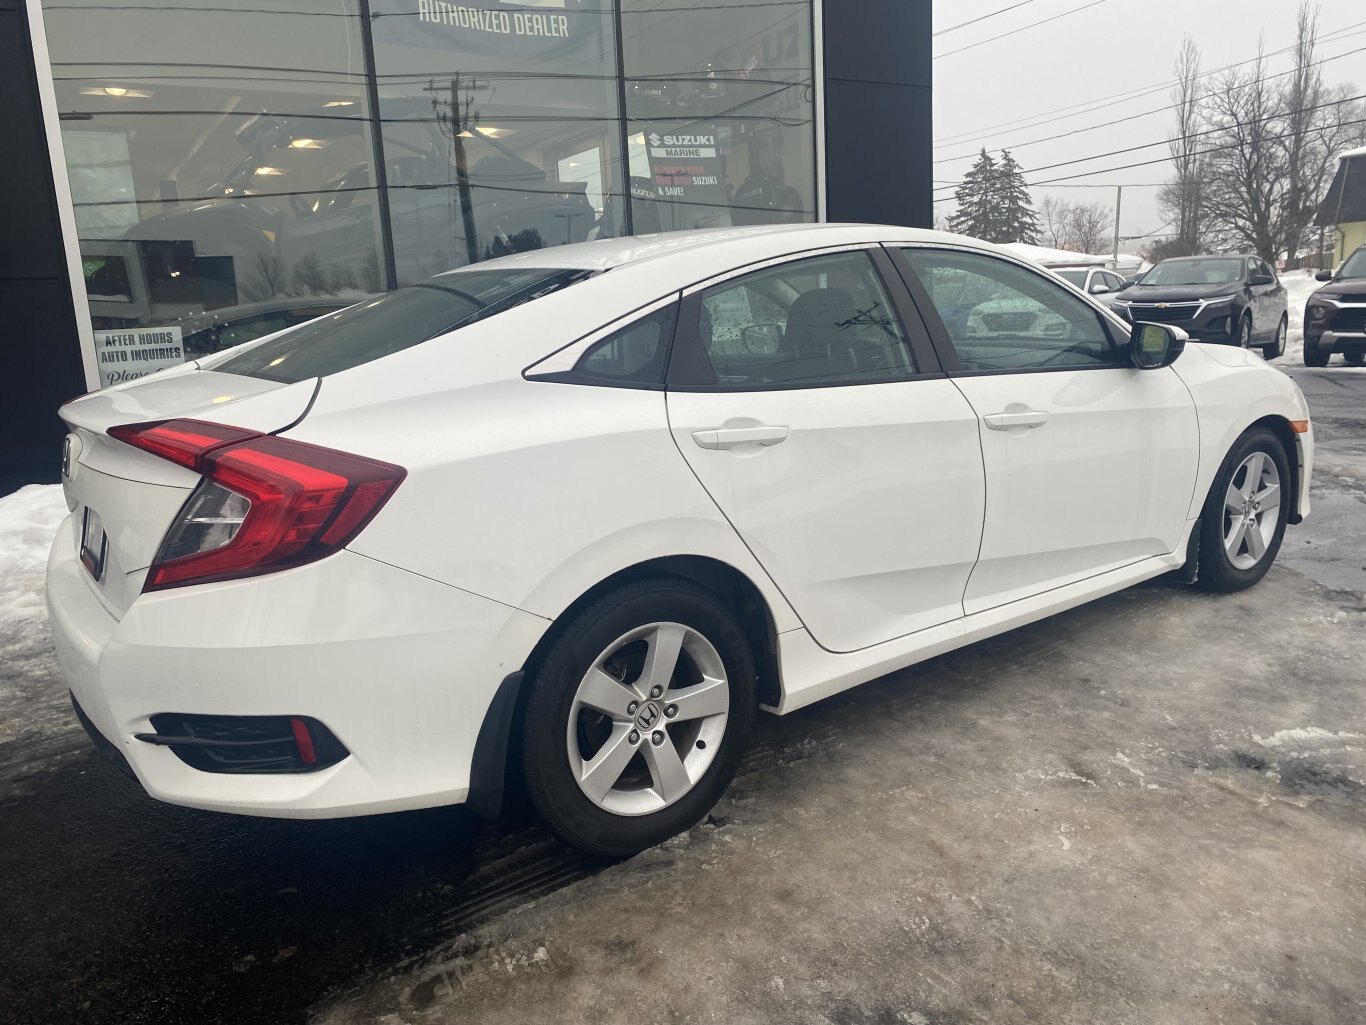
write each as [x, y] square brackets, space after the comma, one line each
[1232, 299]
[1335, 316]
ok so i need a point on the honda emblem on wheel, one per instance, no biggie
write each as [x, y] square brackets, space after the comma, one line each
[649, 715]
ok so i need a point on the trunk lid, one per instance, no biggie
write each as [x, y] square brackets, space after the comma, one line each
[123, 499]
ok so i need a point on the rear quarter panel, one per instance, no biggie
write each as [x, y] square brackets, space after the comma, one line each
[530, 493]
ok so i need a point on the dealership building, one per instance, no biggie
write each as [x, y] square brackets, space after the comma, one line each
[185, 175]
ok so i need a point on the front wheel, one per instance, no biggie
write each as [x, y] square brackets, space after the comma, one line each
[1314, 356]
[1354, 359]
[1277, 347]
[638, 716]
[1244, 337]
[1245, 514]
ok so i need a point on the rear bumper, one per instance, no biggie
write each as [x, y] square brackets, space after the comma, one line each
[401, 668]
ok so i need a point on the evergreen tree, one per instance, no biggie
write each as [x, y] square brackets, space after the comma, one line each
[1015, 216]
[976, 214]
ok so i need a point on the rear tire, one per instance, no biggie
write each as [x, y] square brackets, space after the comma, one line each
[1244, 518]
[1277, 347]
[638, 716]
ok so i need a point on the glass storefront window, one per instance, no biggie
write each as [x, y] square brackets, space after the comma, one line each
[236, 171]
[219, 163]
[500, 127]
[719, 102]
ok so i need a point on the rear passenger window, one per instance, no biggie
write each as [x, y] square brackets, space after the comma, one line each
[825, 320]
[1001, 316]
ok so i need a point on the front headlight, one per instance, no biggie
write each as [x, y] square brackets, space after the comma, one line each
[1318, 312]
[1220, 299]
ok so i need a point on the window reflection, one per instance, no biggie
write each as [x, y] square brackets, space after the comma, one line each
[719, 96]
[500, 132]
[218, 160]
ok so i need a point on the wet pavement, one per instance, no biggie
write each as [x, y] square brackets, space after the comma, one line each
[1149, 809]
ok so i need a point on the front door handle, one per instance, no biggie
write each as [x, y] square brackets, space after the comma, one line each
[1005, 421]
[732, 437]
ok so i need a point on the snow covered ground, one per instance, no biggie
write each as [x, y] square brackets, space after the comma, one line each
[1299, 286]
[32, 695]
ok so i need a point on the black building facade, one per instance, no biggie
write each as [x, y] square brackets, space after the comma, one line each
[192, 176]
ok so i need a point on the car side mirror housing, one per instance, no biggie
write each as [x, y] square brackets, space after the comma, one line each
[1261, 279]
[1154, 346]
[1324, 275]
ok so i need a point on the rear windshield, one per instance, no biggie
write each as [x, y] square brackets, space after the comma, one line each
[396, 321]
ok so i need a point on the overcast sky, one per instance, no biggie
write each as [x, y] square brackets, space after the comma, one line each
[1087, 57]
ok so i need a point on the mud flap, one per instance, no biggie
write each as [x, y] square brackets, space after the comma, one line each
[1187, 574]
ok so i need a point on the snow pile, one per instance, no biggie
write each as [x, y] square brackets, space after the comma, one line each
[32, 694]
[1299, 286]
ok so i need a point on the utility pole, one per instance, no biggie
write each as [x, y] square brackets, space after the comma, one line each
[458, 121]
[1119, 203]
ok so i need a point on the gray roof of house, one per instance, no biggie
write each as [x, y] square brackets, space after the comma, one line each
[1345, 202]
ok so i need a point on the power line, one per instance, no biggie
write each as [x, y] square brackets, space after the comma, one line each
[1192, 135]
[1131, 117]
[1022, 28]
[1126, 94]
[974, 21]
[1163, 160]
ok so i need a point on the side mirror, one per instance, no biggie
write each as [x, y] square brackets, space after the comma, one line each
[1324, 275]
[1100, 288]
[1258, 280]
[762, 339]
[1153, 346]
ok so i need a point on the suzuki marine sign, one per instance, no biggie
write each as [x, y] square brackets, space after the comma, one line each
[686, 166]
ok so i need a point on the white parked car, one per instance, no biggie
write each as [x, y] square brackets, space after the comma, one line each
[580, 513]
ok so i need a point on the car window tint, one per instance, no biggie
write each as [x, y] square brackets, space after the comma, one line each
[1001, 316]
[637, 354]
[399, 320]
[823, 320]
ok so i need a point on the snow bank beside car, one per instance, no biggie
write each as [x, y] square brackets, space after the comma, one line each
[32, 694]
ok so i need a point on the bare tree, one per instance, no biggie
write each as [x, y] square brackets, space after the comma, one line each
[1053, 220]
[268, 278]
[1248, 176]
[1090, 227]
[1182, 199]
[1302, 97]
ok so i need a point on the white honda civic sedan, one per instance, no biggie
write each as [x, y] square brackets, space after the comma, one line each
[578, 514]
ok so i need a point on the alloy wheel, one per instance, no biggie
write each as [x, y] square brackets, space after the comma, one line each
[1245, 333]
[1252, 510]
[647, 719]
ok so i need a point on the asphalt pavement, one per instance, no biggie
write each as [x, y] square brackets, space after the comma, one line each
[1149, 809]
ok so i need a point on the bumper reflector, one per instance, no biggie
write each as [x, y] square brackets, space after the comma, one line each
[1299, 426]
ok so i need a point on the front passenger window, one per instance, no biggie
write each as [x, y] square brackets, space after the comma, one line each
[1001, 316]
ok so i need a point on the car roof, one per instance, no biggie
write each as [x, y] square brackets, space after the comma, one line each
[721, 245]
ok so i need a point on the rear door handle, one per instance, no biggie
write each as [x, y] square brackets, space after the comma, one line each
[1005, 421]
[731, 437]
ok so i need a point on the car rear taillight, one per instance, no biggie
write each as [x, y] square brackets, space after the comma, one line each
[265, 503]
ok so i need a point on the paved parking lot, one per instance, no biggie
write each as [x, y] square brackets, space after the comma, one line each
[1147, 810]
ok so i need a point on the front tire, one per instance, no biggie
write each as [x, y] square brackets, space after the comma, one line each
[1354, 359]
[1244, 518]
[638, 716]
[1243, 339]
[1314, 356]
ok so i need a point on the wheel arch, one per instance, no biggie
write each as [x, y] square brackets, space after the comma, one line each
[497, 754]
[1280, 426]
